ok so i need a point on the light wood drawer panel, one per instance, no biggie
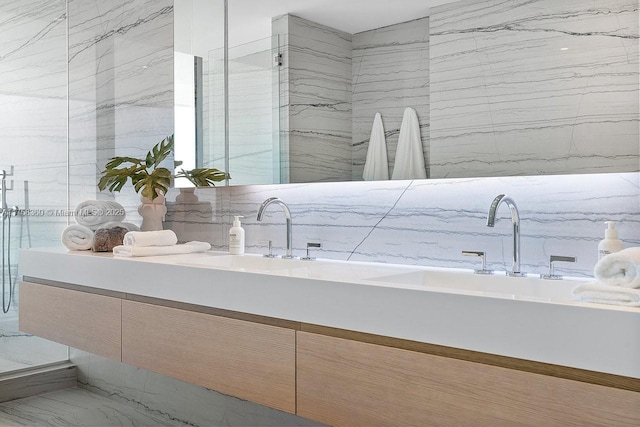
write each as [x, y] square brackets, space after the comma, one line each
[344, 382]
[248, 360]
[81, 320]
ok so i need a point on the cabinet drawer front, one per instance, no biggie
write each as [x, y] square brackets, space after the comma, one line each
[248, 360]
[81, 320]
[344, 382]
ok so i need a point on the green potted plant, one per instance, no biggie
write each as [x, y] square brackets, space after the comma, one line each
[148, 178]
[151, 180]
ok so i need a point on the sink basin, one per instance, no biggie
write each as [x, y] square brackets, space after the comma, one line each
[490, 285]
[253, 263]
[247, 263]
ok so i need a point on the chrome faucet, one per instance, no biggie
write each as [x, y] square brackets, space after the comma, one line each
[287, 215]
[515, 220]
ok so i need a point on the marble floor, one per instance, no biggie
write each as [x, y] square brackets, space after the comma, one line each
[77, 407]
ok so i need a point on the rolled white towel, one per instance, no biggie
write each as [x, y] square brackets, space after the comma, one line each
[77, 237]
[129, 226]
[150, 238]
[604, 294]
[94, 213]
[620, 269]
[135, 251]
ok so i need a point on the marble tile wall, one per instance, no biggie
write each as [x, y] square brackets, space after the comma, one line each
[534, 87]
[316, 99]
[390, 72]
[120, 88]
[33, 119]
[429, 222]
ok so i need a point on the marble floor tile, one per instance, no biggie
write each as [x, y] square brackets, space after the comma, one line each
[76, 407]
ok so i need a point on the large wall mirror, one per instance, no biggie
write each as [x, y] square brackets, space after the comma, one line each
[314, 90]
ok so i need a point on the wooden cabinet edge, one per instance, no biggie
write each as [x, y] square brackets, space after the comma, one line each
[263, 356]
[85, 321]
[348, 382]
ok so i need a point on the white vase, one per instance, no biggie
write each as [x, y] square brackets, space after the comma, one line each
[152, 213]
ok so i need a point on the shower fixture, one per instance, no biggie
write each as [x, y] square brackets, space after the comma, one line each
[6, 213]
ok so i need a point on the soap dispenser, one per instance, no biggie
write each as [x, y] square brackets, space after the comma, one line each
[236, 237]
[610, 243]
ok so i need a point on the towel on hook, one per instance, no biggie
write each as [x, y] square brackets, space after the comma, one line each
[409, 162]
[77, 237]
[606, 294]
[619, 269]
[150, 238]
[135, 251]
[376, 167]
[94, 213]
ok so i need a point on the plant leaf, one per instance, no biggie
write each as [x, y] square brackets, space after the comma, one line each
[203, 177]
[153, 184]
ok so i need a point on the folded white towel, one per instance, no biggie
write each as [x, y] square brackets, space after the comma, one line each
[94, 213]
[603, 294]
[150, 238]
[409, 162]
[376, 167]
[187, 248]
[129, 226]
[620, 269]
[77, 237]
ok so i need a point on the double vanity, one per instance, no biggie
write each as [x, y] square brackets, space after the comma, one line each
[347, 342]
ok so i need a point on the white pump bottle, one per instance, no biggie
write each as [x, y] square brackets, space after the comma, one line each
[611, 243]
[236, 237]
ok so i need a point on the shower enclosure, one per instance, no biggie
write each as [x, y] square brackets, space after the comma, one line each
[33, 159]
[18, 351]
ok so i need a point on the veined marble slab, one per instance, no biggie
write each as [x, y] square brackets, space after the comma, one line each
[390, 73]
[316, 80]
[534, 87]
[120, 87]
[430, 222]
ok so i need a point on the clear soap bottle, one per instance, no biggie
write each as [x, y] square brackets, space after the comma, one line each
[236, 237]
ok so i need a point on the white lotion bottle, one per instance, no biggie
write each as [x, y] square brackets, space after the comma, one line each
[236, 237]
[610, 243]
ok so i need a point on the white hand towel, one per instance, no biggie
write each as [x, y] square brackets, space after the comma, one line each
[620, 269]
[376, 167]
[94, 213]
[150, 238]
[135, 251]
[409, 162]
[603, 294]
[77, 237]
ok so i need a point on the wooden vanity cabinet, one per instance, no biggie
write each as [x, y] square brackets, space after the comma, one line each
[82, 320]
[252, 361]
[346, 382]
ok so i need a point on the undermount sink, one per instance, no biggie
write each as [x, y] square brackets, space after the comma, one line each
[426, 278]
[316, 269]
[490, 285]
[238, 262]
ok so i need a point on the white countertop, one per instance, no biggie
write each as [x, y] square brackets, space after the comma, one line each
[541, 323]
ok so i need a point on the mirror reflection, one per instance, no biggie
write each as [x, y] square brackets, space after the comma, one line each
[319, 90]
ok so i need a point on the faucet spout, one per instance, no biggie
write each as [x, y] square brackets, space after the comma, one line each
[287, 215]
[515, 220]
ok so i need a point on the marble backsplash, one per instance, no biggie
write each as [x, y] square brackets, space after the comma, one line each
[426, 222]
[534, 87]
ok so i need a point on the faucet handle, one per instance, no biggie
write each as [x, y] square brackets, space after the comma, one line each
[268, 243]
[482, 256]
[311, 245]
[553, 259]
